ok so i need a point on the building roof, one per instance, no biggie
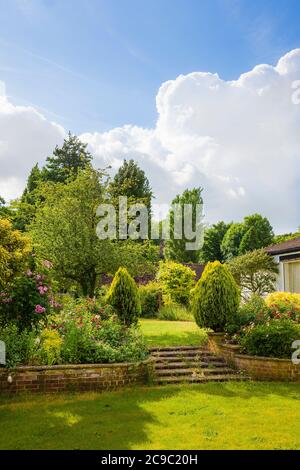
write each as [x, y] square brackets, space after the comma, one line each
[288, 246]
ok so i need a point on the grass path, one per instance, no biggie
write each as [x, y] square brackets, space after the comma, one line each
[172, 333]
[208, 416]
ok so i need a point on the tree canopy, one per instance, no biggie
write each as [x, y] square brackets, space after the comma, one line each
[67, 160]
[14, 251]
[176, 247]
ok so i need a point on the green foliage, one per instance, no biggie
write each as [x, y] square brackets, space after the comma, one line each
[255, 273]
[174, 312]
[124, 298]
[26, 301]
[67, 161]
[213, 238]
[49, 351]
[176, 280]
[232, 240]
[285, 237]
[25, 208]
[216, 297]
[20, 346]
[175, 248]
[138, 258]
[258, 233]
[14, 252]
[253, 233]
[64, 231]
[151, 299]
[82, 333]
[131, 181]
[254, 311]
[273, 339]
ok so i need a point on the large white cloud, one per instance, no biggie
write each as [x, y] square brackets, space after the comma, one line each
[240, 140]
[26, 138]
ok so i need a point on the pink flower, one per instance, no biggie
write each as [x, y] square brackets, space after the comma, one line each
[39, 309]
[47, 264]
[29, 273]
[43, 290]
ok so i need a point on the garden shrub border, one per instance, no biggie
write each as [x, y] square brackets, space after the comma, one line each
[256, 367]
[75, 378]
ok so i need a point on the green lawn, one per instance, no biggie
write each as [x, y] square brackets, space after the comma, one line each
[208, 416]
[172, 333]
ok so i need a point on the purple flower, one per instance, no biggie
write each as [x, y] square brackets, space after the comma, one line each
[39, 309]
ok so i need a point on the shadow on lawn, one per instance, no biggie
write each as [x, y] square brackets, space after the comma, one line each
[104, 421]
[112, 420]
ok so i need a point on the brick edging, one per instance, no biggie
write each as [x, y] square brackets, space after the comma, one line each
[81, 377]
[258, 367]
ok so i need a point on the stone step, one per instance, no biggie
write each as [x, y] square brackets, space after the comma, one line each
[178, 348]
[194, 372]
[204, 379]
[171, 354]
[191, 364]
[188, 359]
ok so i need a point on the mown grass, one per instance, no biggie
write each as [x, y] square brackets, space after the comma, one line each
[172, 333]
[208, 416]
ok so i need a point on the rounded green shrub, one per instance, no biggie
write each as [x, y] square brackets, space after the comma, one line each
[151, 299]
[177, 281]
[216, 297]
[123, 296]
[273, 339]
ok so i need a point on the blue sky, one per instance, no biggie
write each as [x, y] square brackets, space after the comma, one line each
[92, 65]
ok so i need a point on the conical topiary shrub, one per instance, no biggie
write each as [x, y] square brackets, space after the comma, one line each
[216, 297]
[123, 296]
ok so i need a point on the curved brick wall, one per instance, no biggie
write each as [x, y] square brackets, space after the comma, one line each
[94, 377]
[261, 368]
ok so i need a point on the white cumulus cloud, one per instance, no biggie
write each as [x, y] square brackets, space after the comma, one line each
[237, 139]
[26, 138]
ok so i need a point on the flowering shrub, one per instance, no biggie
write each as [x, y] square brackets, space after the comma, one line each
[284, 305]
[28, 300]
[49, 347]
[252, 312]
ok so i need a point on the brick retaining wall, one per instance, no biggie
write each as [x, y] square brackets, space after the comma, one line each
[261, 368]
[91, 377]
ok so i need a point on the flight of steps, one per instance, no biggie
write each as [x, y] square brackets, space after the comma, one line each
[187, 364]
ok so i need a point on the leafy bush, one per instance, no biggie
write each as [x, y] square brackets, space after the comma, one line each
[253, 311]
[151, 299]
[273, 339]
[177, 281]
[49, 351]
[174, 312]
[216, 297]
[26, 302]
[20, 346]
[83, 305]
[284, 305]
[90, 340]
[124, 298]
[254, 272]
